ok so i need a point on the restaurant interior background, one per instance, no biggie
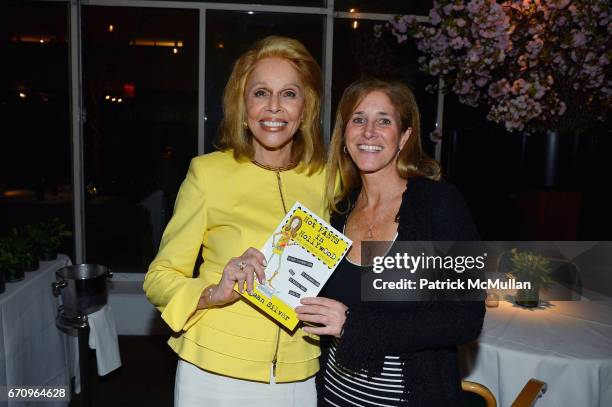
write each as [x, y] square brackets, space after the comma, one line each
[117, 110]
[148, 109]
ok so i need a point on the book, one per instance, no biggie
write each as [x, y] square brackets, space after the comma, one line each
[301, 255]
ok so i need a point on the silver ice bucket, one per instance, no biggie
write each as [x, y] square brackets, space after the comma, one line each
[83, 288]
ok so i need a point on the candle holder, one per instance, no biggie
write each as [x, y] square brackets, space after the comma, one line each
[492, 300]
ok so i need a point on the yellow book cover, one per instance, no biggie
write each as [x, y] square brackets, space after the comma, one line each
[302, 253]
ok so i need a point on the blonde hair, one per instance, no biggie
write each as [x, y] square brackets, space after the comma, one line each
[307, 148]
[412, 159]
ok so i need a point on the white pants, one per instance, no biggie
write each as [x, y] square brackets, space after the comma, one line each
[195, 387]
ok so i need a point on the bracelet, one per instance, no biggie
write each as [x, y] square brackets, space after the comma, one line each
[209, 290]
[346, 314]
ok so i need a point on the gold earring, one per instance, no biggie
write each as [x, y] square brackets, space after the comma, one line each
[245, 125]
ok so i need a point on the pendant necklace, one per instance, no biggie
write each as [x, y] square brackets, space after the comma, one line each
[370, 226]
[369, 234]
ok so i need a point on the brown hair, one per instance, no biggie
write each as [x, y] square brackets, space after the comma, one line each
[307, 148]
[412, 159]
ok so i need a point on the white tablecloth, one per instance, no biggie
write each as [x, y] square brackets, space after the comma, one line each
[567, 344]
[32, 349]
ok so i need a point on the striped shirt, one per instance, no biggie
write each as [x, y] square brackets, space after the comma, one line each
[343, 387]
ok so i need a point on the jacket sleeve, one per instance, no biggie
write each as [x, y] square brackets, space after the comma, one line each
[168, 284]
[371, 333]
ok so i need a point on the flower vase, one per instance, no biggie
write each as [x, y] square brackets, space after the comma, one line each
[528, 297]
[552, 159]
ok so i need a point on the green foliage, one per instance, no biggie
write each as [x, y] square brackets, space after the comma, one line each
[15, 252]
[47, 237]
[20, 249]
[9, 257]
[528, 266]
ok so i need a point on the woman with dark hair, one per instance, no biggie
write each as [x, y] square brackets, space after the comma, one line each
[388, 354]
[271, 156]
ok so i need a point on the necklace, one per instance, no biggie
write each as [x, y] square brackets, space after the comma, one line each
[370, 233]
[375, 220]
[287, 167]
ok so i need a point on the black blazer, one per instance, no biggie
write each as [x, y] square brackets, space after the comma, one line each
[424, 334]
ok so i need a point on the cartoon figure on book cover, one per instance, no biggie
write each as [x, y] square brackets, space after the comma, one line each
[280, 241]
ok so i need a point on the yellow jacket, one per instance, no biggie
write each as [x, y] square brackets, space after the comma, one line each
[229, 206]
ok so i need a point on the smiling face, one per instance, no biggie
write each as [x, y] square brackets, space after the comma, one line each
[274, 99]
[373, 135]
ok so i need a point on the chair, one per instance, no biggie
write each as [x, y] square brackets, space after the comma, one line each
[530, 393]
[526, 398]
[475, 394]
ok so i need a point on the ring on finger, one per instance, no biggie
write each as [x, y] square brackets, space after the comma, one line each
[241, 265]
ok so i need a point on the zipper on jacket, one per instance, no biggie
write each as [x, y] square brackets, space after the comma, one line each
[282, 197]
[276, 352]
[280, 190]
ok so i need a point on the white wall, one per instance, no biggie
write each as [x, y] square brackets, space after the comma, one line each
[134, 314]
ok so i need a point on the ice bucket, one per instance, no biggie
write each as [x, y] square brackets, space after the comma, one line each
[82, 288]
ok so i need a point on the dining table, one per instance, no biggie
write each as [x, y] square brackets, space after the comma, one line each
[33, 351]
[566, 344]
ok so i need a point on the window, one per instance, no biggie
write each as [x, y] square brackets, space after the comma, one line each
[140, 93]
[358, 53]
[418, 7]
[140, 84]
[294, 3]
[35, 169]
[229, 34]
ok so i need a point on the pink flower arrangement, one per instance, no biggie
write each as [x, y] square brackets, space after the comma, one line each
[538, 64]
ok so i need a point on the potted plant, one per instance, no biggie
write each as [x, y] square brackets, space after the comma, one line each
[11, 263]
[46, 238]
[532, 268]
[25, 248]
[2, 270]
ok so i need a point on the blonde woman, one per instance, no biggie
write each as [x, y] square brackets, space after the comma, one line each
[391, 354]
[230, 202]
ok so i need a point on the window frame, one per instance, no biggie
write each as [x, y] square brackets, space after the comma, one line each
[76, 96]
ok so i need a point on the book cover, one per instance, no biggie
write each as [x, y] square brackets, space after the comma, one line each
[302, 253]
